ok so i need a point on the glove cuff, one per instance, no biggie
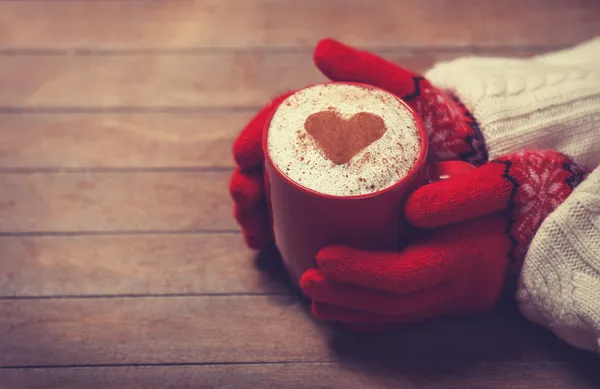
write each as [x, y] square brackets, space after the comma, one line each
[552, 101]
[559, 286]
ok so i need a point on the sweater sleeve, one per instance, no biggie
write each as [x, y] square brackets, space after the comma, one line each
[559, 286]
[551, 101]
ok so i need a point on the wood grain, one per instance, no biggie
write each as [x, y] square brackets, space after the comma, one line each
[79, 141]
[97, 202]
[150, 330]
[250, 329]
[302, 376]
[290, 23]
[148, 140]
[135, 265]
[215, 80]
[147, 80]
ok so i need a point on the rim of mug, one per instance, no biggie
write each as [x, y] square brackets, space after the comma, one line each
[412, 174]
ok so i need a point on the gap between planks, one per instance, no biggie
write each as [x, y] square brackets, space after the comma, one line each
[198, 51]
[173, 364]
[148, 295]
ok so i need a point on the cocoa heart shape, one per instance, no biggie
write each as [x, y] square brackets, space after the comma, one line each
[341, 139]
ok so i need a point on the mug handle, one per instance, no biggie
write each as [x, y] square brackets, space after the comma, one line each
[443, 170]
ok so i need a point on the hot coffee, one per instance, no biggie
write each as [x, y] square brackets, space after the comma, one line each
[344, 139]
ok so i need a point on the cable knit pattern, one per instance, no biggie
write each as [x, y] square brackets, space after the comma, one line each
[551, 101]
[560, 281]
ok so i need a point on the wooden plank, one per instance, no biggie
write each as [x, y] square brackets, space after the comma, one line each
[168, 201]
[171, 139]
[259, 23]
[214, 80]
[500, 375]
[147, 80]
[248, 329]
[156, 330]
[118, 140]
[135, 265]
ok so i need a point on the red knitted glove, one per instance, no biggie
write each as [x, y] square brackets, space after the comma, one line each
[452, 130]
[473, 228]
[246, 186]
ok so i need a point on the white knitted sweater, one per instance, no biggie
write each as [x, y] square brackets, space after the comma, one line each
[560, 281]
[549, 101]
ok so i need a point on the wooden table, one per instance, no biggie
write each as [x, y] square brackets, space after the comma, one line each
[120, 263]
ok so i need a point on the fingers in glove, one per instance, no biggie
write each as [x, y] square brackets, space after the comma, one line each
[258, 241]
[416, 268]
[320, 288]
[340, 62]
[254, 222]
[444, 256]
[247, 148]
[247, 187]
[484, 191]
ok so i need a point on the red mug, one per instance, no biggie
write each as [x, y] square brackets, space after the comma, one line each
[304, 221]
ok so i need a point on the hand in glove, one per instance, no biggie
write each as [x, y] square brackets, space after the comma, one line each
[452, 131]
[473, 228]
[477, 106]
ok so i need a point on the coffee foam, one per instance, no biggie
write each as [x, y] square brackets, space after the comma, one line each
[380, 165]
